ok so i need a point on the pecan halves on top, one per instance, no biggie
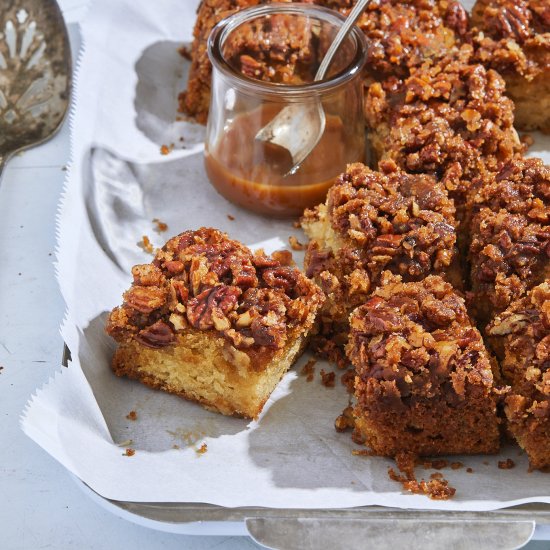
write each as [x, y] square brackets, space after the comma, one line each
[206, 281]
[210, 307]
[457, 19]
[145, 299]
[158, 335]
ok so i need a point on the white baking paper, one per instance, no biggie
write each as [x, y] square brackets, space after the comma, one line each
[125, 107]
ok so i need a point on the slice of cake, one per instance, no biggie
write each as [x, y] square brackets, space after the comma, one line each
[376, 221]
[450, 119]
[513, 37]
[424, 383]
[524, 334]
[213, 322]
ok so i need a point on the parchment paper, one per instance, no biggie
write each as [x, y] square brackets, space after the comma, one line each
[127, 82]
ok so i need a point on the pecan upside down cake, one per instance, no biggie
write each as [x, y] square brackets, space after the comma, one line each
[450, 119]
[213, 322]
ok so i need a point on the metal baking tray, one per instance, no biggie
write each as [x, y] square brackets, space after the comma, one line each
[352, 528]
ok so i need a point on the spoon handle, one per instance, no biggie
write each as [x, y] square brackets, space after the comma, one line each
[351, 19]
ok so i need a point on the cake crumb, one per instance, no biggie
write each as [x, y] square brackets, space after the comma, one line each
[345, 421]
[438, 464]
[202, 449]
[146, 244]
[230, 218]
[507, 464]
[328, 378]
[456, 465]
[166, 149]
[436, 475]
[132, 415]
[295, 244]
[129, 452]
[436, 488]
[329, 350]
[160, 226]
[362, 452]
[185, 52]
[175, 446]
[470, 470]
[296, 224]
[486, 463]
[308, 370]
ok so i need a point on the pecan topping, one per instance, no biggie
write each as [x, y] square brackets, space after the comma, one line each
[416, 339]
[158, 335]
[450, 118]
[202, 280]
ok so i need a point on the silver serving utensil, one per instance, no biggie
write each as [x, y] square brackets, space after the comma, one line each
[35, 74]
[298, 128]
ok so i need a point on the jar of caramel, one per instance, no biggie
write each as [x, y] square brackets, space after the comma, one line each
[264, 58]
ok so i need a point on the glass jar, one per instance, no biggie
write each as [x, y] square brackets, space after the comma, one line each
[264, 58]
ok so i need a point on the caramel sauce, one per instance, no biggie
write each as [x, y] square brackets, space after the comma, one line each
[250, 173]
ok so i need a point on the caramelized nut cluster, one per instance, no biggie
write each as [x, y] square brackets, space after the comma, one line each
[204, 280]
[416, 340]
[522, 186]
[450, 119]
[386, 220]
[401, 35]
[510, 232]
[513, 35]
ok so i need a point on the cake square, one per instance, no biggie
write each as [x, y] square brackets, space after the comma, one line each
[424, 383]
[213, 322]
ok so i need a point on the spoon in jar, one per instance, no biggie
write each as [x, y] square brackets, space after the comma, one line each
[298, 128]
[35, 74]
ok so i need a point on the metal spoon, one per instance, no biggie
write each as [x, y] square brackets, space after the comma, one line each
[35, 74]
[299, 127]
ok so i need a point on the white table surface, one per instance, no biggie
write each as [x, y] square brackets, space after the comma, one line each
[40, 504]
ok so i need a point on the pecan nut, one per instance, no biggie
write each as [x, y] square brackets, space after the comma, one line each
[457, 19]
[145, 299]
[158, 335]
[211, 306]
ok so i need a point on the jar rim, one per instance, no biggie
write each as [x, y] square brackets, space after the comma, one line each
[227, 25]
